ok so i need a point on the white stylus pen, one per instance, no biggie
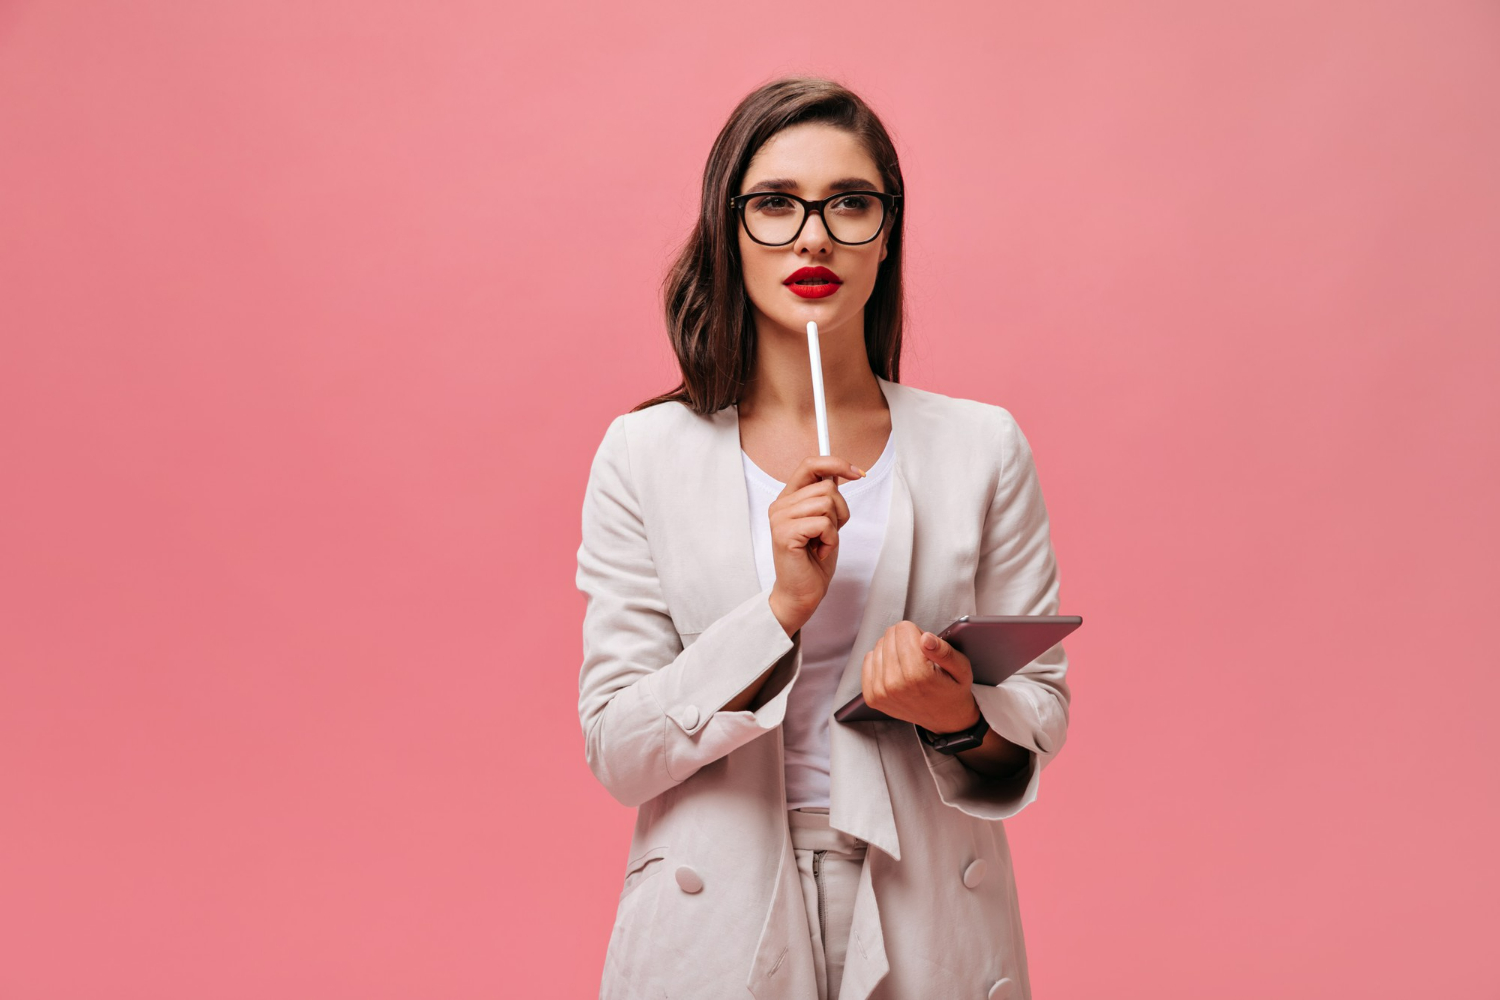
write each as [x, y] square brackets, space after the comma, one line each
[820, 405]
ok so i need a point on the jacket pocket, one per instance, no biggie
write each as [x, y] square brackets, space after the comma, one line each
[642, 867]
[631, 966]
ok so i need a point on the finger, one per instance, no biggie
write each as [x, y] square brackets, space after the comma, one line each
[955, 663]
[819, 488]
[826, 498]
[816, 467]
[816, 503]
[960, 666]
[877, 674]
[819, 526]
[892, 674]
[841, 507]
[916, 665]
[805, 532]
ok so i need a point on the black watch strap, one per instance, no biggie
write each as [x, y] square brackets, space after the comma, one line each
[952, 743]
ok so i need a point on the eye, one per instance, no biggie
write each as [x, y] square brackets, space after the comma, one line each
[853, 204]
[770, 204]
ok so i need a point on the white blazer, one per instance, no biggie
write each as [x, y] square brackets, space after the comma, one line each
[676, 624]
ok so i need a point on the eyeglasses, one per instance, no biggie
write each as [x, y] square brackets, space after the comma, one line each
[774, 219]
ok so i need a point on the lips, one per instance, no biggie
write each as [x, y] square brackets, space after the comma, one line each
[813, 282]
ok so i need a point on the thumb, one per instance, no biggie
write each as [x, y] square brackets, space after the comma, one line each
[941, 652]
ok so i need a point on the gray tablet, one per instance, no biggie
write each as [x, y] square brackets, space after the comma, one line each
[996, 645]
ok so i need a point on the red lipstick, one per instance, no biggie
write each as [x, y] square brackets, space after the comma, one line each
[813, 282]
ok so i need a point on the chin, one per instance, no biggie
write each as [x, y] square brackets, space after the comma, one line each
[798, 323]
[823, 312]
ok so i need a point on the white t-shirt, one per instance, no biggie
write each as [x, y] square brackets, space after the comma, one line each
[828, 637]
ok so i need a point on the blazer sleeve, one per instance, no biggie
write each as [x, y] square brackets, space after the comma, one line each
[1016, 575]
[651, 710]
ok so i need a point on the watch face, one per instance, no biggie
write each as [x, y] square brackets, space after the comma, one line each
[951, 743]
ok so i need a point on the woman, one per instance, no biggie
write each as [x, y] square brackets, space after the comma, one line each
[738, 593]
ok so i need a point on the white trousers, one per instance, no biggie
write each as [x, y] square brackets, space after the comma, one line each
[830, 862]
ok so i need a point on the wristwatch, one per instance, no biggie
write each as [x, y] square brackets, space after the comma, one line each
[952, 743]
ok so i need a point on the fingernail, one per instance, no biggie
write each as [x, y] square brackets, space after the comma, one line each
[857, 469]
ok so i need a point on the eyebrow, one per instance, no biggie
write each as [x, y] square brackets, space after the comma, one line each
[786, 184]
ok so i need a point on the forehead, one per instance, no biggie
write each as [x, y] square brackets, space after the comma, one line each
[814, 155]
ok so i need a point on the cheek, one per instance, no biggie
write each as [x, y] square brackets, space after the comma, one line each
[759, 271]
[869, 268]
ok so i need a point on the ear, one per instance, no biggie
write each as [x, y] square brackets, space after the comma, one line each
[882, 249]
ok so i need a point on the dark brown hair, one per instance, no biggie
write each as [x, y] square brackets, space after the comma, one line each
[709, 319]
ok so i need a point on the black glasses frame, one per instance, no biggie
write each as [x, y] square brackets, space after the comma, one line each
[891, 202]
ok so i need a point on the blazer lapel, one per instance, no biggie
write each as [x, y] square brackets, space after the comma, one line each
[728, 545]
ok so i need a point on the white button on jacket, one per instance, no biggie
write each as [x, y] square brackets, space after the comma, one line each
[690, 880]
[1002, 990]
[676, 624]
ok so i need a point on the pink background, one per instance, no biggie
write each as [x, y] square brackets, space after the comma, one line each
[314, 313]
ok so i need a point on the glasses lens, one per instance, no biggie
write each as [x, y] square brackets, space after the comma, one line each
[772, 218]
[854, 218]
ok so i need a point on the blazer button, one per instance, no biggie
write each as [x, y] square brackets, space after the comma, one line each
[973, 875]
[1002, 990]
[687, 715]
[689, 880]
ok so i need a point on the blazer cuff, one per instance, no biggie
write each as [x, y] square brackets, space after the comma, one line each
[724, 660]
[1009, 711]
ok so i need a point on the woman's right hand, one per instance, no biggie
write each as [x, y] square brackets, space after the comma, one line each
[805, 521]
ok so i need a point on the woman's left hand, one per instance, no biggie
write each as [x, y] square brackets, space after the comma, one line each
[900, 680]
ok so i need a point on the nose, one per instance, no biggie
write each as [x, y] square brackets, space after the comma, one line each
[814, 236]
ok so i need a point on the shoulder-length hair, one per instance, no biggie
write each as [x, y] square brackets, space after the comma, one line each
[709, 318]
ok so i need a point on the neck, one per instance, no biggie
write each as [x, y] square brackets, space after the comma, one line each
[781, 386]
